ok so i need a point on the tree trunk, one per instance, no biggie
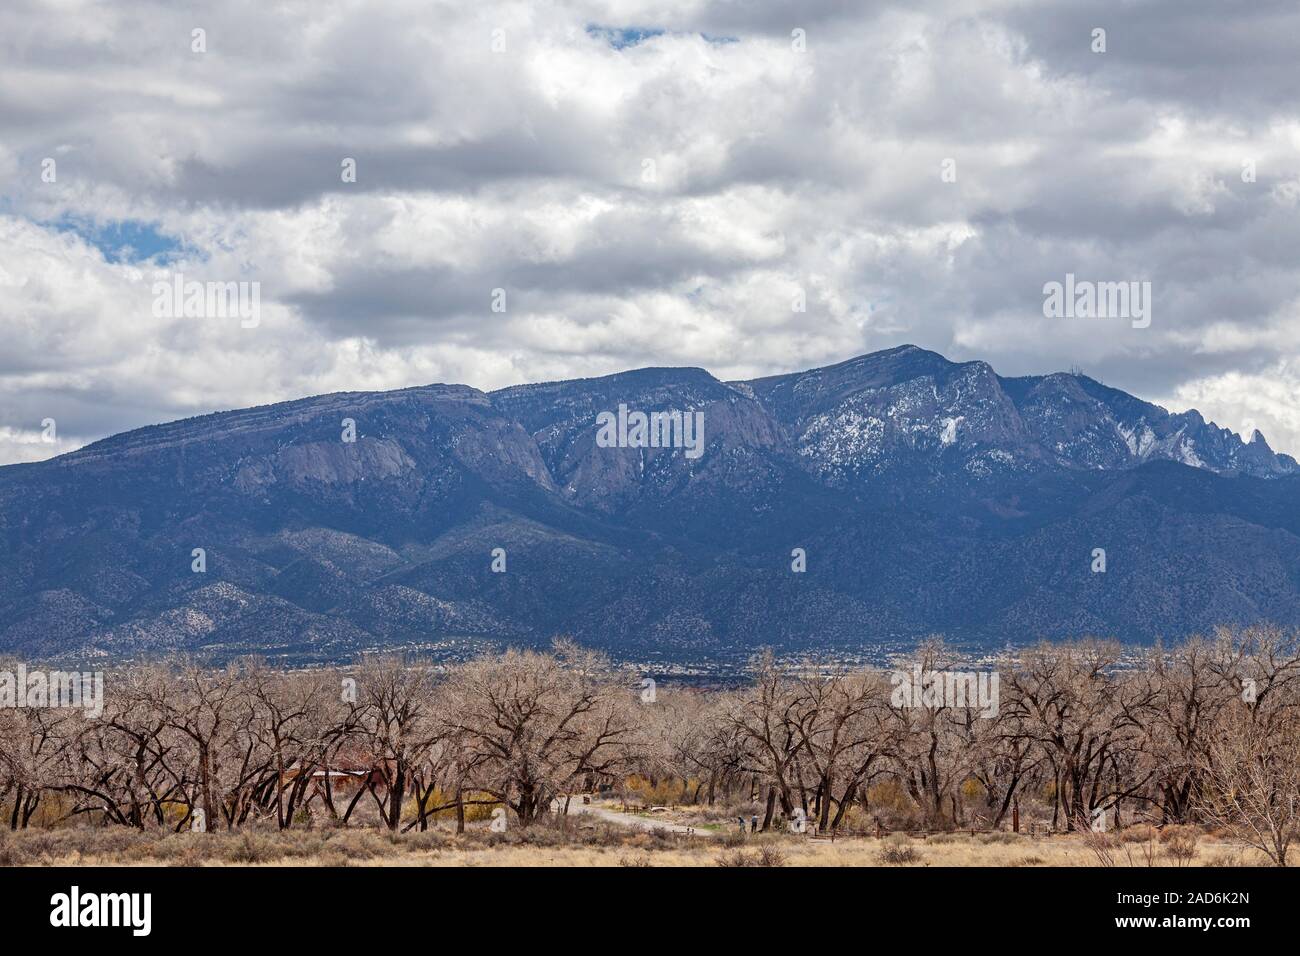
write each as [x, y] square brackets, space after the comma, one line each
[279, 786]
[395, 798]
[771, 807]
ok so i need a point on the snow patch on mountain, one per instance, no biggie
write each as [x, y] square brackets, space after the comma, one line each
[1140, 444]
[949, 434]
[1187, 454]
[846, 437]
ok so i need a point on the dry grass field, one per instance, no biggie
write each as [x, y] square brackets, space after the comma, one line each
[597, 844]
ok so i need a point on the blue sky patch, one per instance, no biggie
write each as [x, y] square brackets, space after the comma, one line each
[124, 240]
[622, 37]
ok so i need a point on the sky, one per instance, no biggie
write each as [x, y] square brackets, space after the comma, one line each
[550, 190]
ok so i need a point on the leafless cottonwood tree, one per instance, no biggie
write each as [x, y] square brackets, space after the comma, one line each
[1254, 782]
[397, 730]
[1088, 719]
[1206, 732]
[534, 725]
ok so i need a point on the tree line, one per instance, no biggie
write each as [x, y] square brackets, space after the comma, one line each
[1205, 732]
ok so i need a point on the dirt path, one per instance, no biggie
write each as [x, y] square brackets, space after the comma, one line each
[636, 820]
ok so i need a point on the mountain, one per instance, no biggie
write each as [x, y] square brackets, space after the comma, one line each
[926, 496]
[906, 408]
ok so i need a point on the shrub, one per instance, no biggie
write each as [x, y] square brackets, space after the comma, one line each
[300, 845]
[770, 856]
[1177, 831]
[1139, 833]
[736, 858]
[249, 848]
[898, 855]
[1180, 844]
[896, 851]
[363, 844]
[425, 840]
[890, 802]
[665, 839]
[335, 857]
[37, 845]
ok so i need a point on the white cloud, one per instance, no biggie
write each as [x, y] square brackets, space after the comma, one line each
[775, 171]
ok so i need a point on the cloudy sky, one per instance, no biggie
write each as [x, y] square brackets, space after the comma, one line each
[650, 183]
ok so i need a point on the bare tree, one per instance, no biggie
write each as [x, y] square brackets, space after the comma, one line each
[1252, 769]
[534, 724]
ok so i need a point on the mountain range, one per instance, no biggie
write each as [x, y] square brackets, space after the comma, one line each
[920, 496]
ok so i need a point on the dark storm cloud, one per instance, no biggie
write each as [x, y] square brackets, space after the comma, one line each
[1234, 59]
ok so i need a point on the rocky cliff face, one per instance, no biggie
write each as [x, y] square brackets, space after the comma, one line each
[894, 410]
[927, 495]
